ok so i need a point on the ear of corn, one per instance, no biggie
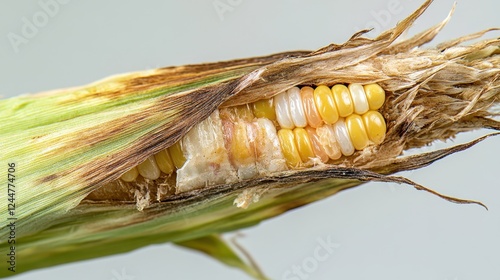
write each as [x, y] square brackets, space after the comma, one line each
[71, 146]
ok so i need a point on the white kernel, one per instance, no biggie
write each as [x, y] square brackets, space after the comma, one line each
[358, 98]
[283, 111]
[343, 138]
[296, 108]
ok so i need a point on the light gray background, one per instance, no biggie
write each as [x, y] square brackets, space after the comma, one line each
[384, 231]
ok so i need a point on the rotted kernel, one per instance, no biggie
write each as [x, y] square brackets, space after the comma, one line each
[329, 141]
[318, 148]
[312, 114]
[239, 148]
[244, 112]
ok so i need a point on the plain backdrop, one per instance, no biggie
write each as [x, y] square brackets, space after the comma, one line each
[382, 231]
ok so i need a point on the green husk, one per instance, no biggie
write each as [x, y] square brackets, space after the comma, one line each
[216, 247]
[69, 143]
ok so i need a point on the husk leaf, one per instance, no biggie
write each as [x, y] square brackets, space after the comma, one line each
[214, 246]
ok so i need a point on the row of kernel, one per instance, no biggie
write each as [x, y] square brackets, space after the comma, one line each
[166, 161]
[314, 107]
[301, 145]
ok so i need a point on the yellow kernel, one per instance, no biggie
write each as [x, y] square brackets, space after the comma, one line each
[325, 104]
[289, 149]
[343, 100]
[375, 95]
[164, 162]
[177, 155]
[375, 126]
[264, 109]
[130, 175]
[304, 144]
[357, 131]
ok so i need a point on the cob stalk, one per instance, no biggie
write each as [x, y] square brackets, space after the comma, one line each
[70, 143]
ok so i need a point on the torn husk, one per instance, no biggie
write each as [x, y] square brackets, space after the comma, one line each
[72, 145]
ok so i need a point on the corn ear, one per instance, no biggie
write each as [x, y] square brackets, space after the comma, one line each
[70, 143]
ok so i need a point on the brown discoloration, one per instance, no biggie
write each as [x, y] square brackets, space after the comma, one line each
[177, 76]
[47, 179]
[108, 168]
[115, 191]
[192, 107]
[37, 137]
